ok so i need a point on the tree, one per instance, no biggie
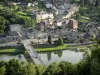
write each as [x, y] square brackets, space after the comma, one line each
[13, 67]
[2, 25]
[29, 69]
[81, 40]
[39, 69]
[97, 3]
[95, 67]
[27, 21]
[2, 70]
[95, 53]
[60, 53]
[98, 41]
[49, 39]
[49, 56]
[83, 68]
[60, 41]
[66, 68]
[53, 69]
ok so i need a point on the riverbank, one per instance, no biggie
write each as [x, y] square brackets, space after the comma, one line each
[11, 51]
[61, 47]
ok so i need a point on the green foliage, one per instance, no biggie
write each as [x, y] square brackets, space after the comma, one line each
[52, 69]
[13, 67]
[14, 15]
[49, 39]
[60, 41]
[88, 11]
[29, 70]
[3, 21]
[81, 40]
[83, 68]
[95, 70]
[95, 53]
[41, 5]
[67, 68]
[89, 65]
[2, 70]
[98, 41]
[39, 70]
[92, 39]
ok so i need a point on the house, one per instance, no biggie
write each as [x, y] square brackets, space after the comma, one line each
[54, 23]
[93, 31]
[41, 26]
[64, 25]
[2, 39]
[72, 35]
[14, 32]
[12, 36]
[43, 15]
[72, 24]
[15, 27]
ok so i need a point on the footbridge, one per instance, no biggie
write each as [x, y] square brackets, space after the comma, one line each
[32, 53]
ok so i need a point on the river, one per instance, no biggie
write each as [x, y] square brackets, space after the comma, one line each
[7, 57]
[73, 56]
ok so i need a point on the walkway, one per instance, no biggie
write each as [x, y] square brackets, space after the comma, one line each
[32, 53]
[8, 44]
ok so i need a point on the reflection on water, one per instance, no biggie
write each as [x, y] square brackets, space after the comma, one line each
[6, 57]
[73, 56]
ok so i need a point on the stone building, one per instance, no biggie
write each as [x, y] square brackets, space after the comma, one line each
[15, 27]
[43, 15]
[2, 39]
[73, 24]
[13, 33]
[41, 26]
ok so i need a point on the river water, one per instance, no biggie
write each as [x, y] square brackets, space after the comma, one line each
[73, 56]
[7, 57]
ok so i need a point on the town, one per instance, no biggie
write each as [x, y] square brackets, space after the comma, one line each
[47, 31]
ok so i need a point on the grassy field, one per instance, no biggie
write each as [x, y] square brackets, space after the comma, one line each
[61, 47]
[12, 50]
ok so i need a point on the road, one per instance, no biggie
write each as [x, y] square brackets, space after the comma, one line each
[36, 40]
[9, 44]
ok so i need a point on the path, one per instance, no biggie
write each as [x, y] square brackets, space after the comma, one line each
[32, 53]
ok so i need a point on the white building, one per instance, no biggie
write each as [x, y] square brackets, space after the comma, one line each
[43, 15]
[15, 27]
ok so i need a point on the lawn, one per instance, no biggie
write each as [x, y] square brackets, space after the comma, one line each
[12, 50]
[60, 47]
